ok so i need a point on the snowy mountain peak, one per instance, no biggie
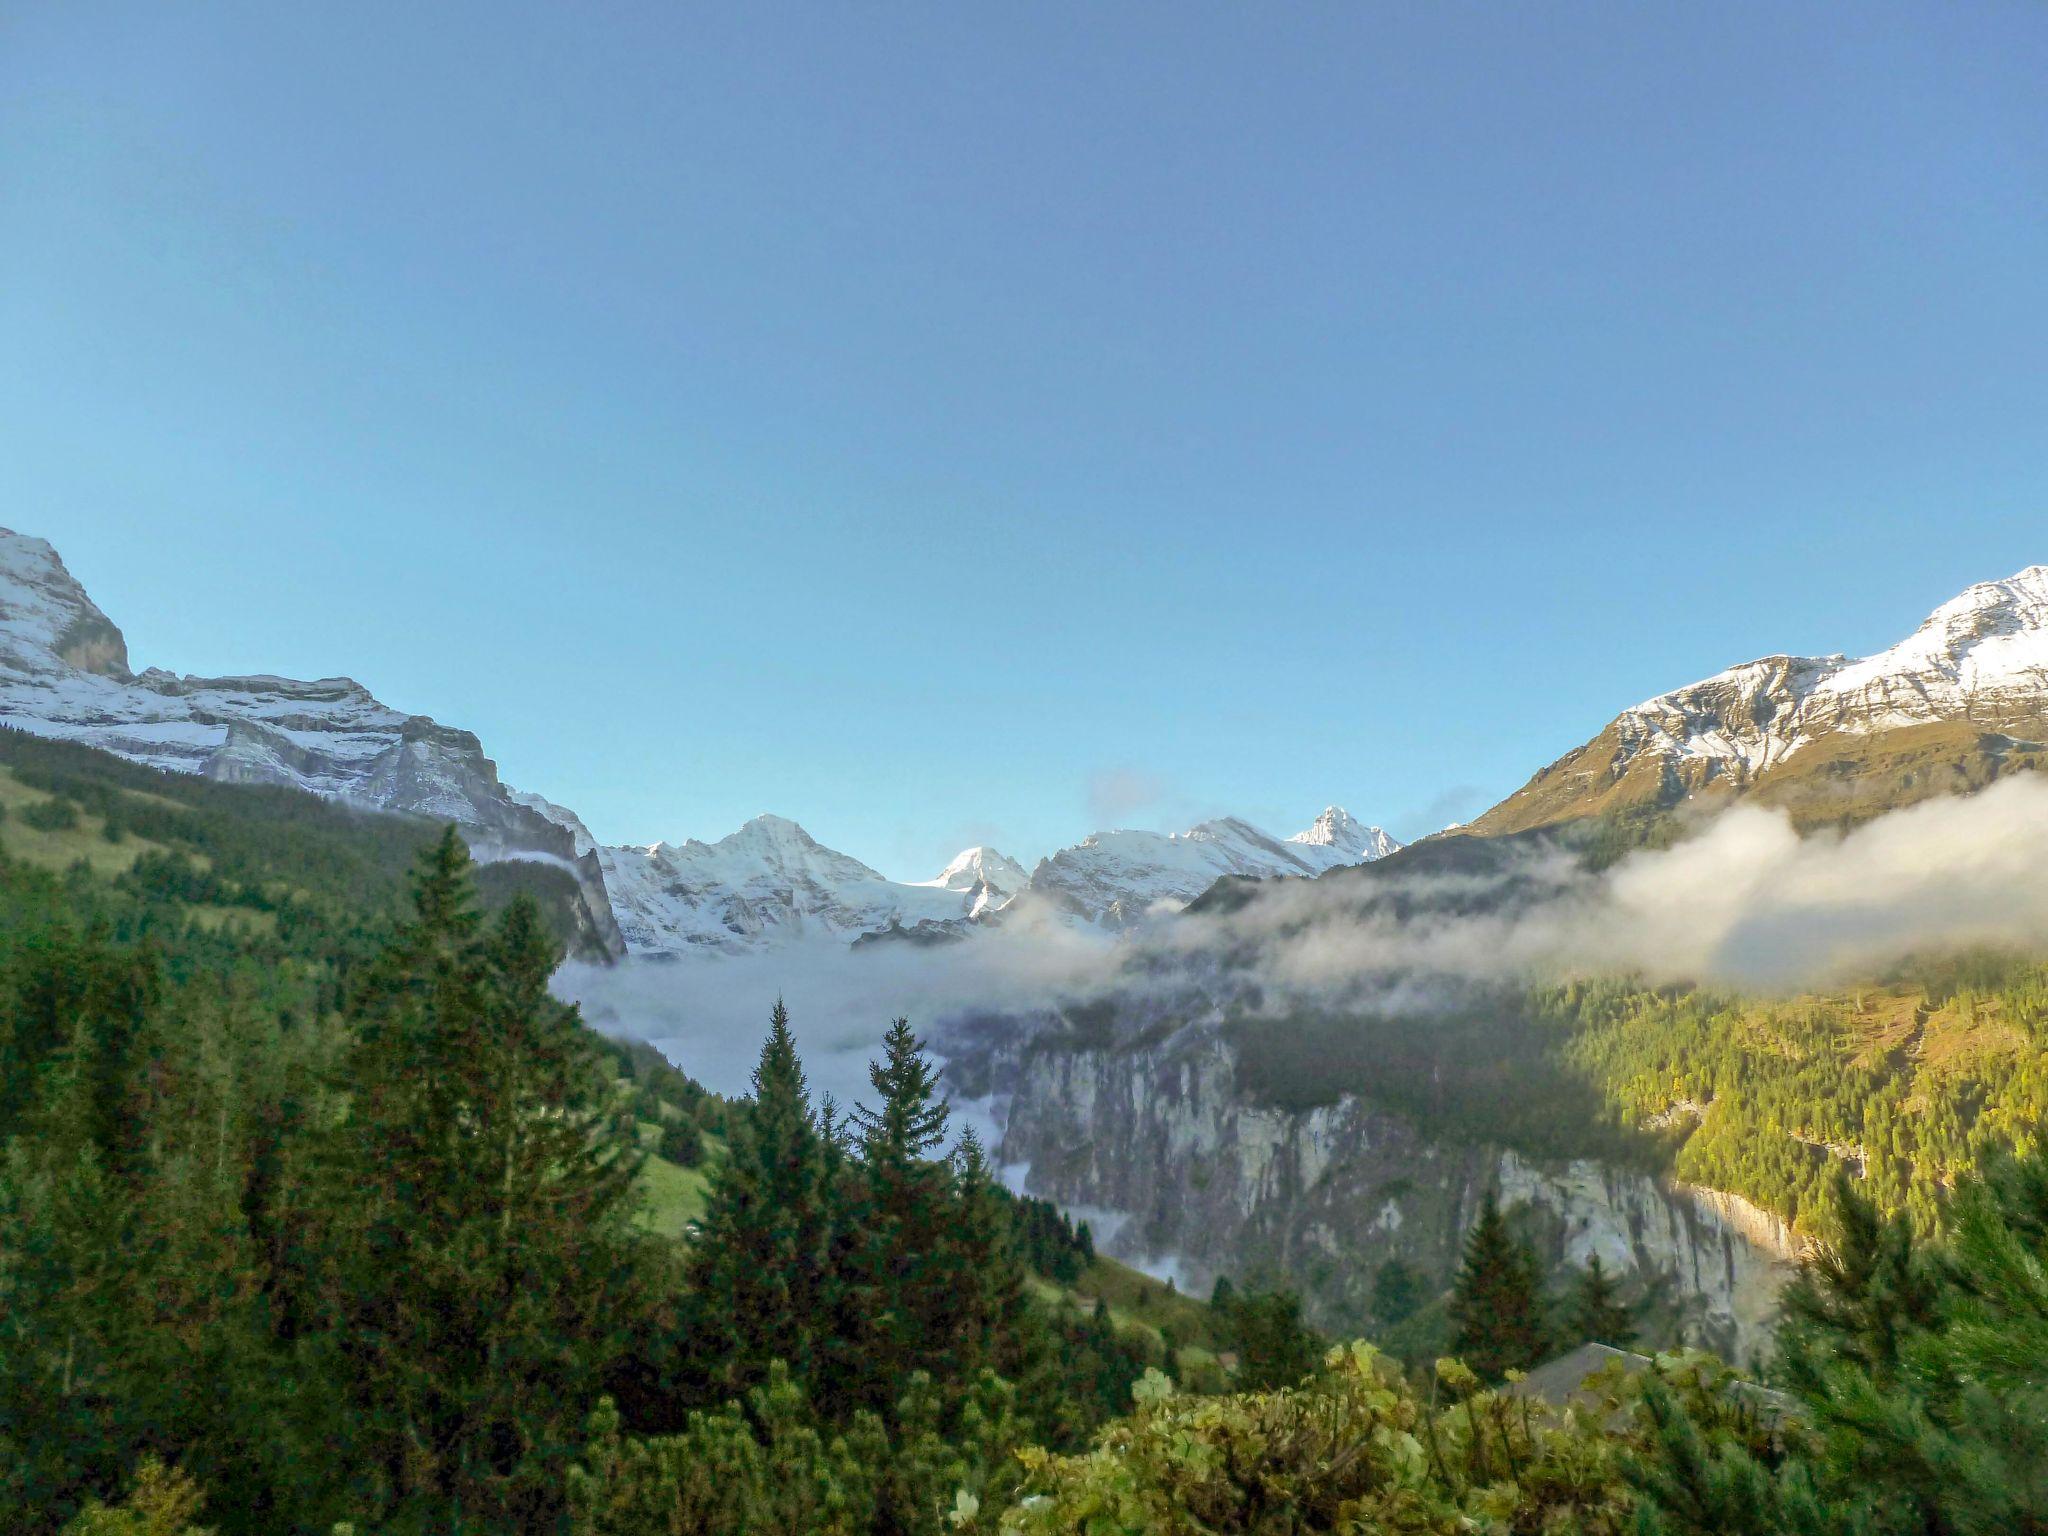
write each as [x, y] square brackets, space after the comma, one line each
[1117, 878]
[1338, 830]
[982, 866]
[771, 881]
[46, 619]
[1980, 661]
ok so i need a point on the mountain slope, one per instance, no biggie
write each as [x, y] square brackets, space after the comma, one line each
[1956, 704]
[64, 673]
[771, 882]
[1117, 878]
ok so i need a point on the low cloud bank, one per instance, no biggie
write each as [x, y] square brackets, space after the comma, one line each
[1745, 902]
[709, 1013]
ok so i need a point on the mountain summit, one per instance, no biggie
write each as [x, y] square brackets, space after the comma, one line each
[1961, 700]
[1346, 836]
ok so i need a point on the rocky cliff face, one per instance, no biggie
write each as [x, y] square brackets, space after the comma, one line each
[64, 672]
[1212, 1184]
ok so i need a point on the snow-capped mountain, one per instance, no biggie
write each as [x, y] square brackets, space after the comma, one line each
[1346, 839]
[771, 882]
[1961, 699]
[988, 878]
[64, 672]
[1116, 878]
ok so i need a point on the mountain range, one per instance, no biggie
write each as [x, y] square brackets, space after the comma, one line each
[65, 672]
[1956, 704]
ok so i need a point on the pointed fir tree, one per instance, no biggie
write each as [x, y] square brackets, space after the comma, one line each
[762, 1262]
[482, 1260]
[901, 1274]
[1396, 1293]
[1595, 1312]
[1496, 1316]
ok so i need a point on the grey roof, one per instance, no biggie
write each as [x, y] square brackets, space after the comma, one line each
[1558, 1382]
[1561, 1382]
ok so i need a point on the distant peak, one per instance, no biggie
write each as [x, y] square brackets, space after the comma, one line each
[781, 827]
[982, 865]
[1330, 828]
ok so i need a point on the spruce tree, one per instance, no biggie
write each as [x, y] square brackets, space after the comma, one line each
[1495, 1310]
[761, 1268]
[1396, 1293]
[901, 1274]
[988, 1302]
[1595, 1313]
[478, 1215]
[1275, 1348]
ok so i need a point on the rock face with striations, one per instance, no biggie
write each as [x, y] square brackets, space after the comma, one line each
[64, 672]
[1213, 1184]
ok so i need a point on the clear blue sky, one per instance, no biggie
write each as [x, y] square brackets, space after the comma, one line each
[974, 422]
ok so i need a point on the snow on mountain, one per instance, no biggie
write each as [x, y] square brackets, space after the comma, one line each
[989, 879]
[64, 673]
[1342, 838]
[771, 881]
[1980, 661]
[1981, 656]
[1116, 878]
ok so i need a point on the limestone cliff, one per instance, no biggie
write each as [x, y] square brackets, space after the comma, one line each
[1208, 1183]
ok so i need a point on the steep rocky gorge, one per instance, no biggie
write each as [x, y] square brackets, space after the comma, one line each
[1210, 1183]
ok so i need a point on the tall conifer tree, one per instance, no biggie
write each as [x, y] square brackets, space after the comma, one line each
[1495, 1308]
[478, 1214]
[761, 1267]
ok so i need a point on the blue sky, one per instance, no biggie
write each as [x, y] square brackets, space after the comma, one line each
[978, 423]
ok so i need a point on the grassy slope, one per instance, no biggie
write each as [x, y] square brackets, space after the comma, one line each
[62, 849]
[1837, 780]
[672, 1196]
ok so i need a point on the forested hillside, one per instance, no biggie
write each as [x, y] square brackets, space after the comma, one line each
[312, 1192]
[1909, 1080]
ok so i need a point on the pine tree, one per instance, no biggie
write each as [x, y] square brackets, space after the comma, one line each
[478, 1213]
[901, 1277]
[1495, 1314]
[1396, 1293]
[1275, 1348]
[1596, 1313]
[1865, 1286]
[989, 1300]
[762, 1265]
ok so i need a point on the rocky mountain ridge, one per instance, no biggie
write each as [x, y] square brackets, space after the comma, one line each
[1960, 701]
[772, 882]
[64, 672]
